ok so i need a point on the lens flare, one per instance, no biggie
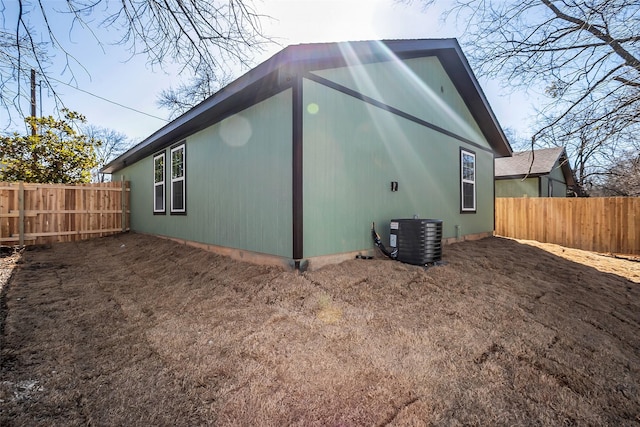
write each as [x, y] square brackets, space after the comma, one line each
[235, 131]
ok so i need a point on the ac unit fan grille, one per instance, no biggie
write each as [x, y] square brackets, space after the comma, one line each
[419, 241]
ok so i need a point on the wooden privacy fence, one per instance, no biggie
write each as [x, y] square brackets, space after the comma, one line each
[598, 224]
[47, 213]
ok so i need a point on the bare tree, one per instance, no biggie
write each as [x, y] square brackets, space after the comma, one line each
[584, 53]
[593, 148]
[622, 179]
[202, 36]
[109, 144]
[182, 98]
[518, 142]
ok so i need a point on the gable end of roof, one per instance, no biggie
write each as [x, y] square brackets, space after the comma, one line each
[279, 72]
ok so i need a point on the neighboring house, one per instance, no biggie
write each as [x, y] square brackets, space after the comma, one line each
[293, 161]
[541, 173]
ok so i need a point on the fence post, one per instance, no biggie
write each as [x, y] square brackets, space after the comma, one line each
[21, 213]
[123, 204]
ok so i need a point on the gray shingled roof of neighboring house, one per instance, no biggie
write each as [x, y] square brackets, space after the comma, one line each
[520, 163]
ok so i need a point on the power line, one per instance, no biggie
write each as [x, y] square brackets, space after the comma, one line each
[107, 100]
[90, 94]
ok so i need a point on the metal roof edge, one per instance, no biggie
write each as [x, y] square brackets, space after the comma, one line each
[233, 88]
[520, 176]
[506, 149]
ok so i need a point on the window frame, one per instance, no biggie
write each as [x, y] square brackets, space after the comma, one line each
[156, 184]
[465, 152]
[182, 178]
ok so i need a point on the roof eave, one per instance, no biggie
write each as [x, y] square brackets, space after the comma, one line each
[474, 97]
[520, 176]
[196, 118]
[265, 79]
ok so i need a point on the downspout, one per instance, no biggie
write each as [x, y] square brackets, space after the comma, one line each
[493, 174]
[296, 175]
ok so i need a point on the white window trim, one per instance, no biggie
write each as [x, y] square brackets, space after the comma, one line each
[182, 178]
[464, 181]
[160, 183]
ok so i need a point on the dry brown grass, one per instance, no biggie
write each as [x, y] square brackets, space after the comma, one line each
[134, 330]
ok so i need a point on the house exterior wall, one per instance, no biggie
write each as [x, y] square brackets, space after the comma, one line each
[544, 186]
[353, 150]
[420, 87]
[238, 183]
[558, 182]
[239, 171]
[517, 187]
[534, 187]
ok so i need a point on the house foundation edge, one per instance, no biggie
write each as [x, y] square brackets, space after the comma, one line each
[306, 264]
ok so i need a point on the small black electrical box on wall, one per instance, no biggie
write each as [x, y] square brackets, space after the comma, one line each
[419, 241]
[394, 185]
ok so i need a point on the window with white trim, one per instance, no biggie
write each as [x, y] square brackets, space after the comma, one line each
[467, 181]
[158, 183]
[178, 169]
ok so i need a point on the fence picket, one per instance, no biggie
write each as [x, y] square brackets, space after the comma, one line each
[47, 213]
[599, 224]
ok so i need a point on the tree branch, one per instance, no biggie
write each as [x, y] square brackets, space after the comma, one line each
[629, 59]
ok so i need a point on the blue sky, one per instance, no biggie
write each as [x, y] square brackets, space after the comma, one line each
[113, 75]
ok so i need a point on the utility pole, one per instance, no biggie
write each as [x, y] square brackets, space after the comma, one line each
[33, 101]
[40, 90]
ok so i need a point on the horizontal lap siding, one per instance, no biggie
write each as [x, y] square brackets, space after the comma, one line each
[518, 187]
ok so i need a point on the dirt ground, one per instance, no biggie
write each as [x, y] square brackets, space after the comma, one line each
[135, 330]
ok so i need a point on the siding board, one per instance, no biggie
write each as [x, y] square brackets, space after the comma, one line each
[419, 86]
[354, 150]
[238, 183]
[517, 187]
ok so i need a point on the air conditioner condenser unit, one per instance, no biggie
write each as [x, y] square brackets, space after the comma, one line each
[416, 241]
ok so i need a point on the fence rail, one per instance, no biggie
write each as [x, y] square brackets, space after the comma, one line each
[47, 213]
[599, 224]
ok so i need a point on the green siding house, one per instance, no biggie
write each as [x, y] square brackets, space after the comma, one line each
[292, 162]
[541, 173]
